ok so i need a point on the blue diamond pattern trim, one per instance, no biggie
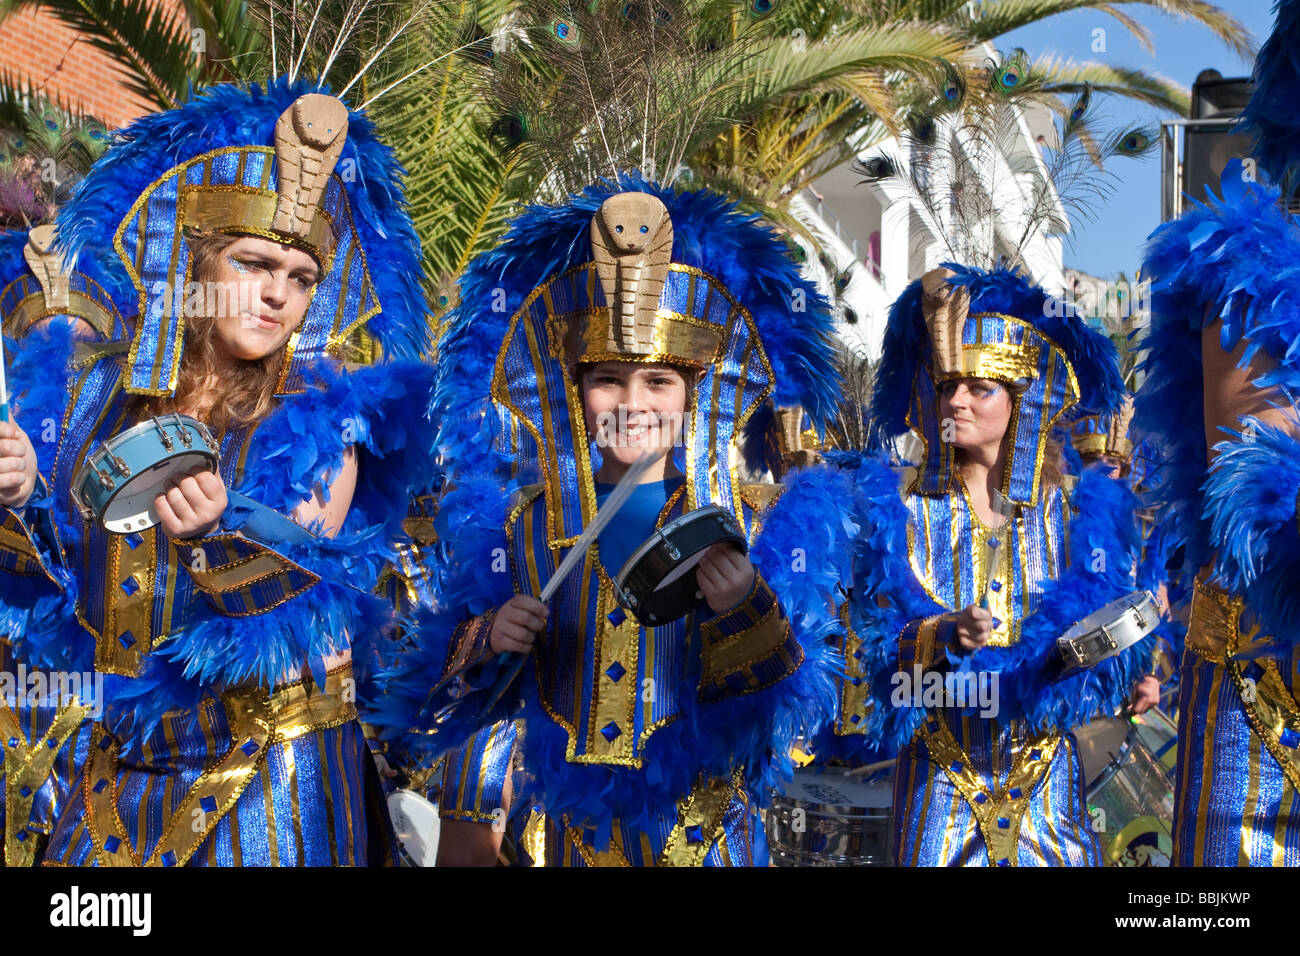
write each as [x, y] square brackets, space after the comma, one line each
[250, 747]
[208, 804]
[126, 639]
[169, 858]
[610, 731]
[615, 672]
[111, 844]
[130, 586]
[100, 785]
[694, 834]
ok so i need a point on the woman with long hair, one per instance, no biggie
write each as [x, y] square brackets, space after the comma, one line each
[227, 628]
[974, 561]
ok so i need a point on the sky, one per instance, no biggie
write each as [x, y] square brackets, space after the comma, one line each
[1112, 242]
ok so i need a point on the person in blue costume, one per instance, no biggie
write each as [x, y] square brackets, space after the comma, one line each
[1108, 445]
[631, 318]
[226, 631]
[44, 735]
[1220, 403]
[971, 563]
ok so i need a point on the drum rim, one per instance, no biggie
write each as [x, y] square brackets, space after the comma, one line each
[81, 479]
[1122, 604]
[660, 535]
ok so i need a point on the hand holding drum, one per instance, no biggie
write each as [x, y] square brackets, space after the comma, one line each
[192, 506]
[725, 576]
[17, 466]
[973, 628]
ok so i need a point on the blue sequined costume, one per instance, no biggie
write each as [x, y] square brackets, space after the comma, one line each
[641, 745]
[44, 737]
[987, 773]
[225, 739]
[1232, 522]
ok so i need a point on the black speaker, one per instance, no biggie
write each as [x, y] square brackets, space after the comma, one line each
[1209, 147]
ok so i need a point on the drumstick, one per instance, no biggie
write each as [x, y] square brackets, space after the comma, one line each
[622, 491]
[871, 767]
[991, 556]
[513, 662]
[4, 387]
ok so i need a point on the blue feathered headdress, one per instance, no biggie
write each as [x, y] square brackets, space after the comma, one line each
[1273, 114]
[1011, 330]
[737, 282]
[23, 301]
[165, 167]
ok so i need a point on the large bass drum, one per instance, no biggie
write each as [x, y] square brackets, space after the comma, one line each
[826, 818]
[1128, 763]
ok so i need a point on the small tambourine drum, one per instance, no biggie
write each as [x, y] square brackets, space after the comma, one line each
[1108, 631]
[118, 482]
[416, 826]
[657, 583]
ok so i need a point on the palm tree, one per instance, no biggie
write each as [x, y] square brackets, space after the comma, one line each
[769, 93]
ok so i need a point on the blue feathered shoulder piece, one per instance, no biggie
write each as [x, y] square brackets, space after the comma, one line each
[1235, 259]
[1273, 114]
[794, 321]
[906, 344]
[1250, 503]
[888, 595]
[379, 411]
[231, 115]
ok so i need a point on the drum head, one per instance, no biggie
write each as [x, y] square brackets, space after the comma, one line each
[1101, 742]
[131, 509]
[659, 577]
[416, 823]
[834, 792]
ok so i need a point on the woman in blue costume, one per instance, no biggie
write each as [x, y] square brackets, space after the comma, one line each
[44, 736]
[960, 635]
[1220, 403]
[641, 745]
[230, 733]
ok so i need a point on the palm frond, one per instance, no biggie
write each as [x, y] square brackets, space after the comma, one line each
[993, 18]
[151, 42]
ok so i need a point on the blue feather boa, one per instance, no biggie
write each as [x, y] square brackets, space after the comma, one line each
[1273, 114]
[1235, 258]
[887, 595]
[377, 409]
[1250, 503]
[755, 730]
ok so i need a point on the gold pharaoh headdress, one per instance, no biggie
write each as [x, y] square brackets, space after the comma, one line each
[54, 289]
[653, 310]
[1089, 436]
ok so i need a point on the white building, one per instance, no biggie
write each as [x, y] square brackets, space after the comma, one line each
[885, 238]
